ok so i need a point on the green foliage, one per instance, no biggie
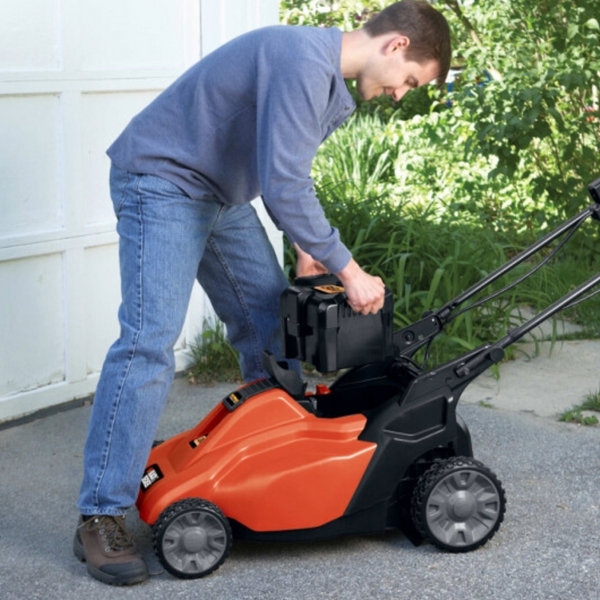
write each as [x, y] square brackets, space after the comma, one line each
[538, 119]
[525, 144]
[214, 359]
[577, 414]
[592, 402]
[345, 14]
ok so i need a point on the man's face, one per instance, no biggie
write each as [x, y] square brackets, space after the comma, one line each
[391, 74]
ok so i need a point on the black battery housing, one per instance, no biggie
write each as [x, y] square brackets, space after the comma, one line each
[320, 328]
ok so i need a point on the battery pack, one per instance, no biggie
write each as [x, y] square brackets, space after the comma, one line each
[320, 328]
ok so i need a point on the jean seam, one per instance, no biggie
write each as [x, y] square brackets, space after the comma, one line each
[117, 398]
[256, 353]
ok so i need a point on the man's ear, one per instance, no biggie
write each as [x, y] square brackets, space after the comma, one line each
[398, 42]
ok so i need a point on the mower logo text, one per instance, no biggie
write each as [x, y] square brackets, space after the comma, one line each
[153, 474]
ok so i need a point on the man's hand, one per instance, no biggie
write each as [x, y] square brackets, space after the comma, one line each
[307, 265]
[365, 293]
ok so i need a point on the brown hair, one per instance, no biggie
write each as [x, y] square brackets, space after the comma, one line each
[425, 27]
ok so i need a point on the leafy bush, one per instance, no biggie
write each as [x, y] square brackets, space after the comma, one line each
[345, 14]
[538, 118]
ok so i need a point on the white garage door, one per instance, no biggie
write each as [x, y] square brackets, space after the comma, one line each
[72, 74]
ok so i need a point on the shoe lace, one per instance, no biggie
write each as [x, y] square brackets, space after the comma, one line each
[112, 529]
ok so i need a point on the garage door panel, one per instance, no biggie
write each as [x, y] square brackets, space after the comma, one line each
[137, 34]
[103, 117]
[30, 164]
[31, 301]
[30, 35]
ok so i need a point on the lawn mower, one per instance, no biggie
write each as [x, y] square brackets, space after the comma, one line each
[381, 447]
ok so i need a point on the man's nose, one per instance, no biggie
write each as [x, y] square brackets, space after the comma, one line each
[398, 94]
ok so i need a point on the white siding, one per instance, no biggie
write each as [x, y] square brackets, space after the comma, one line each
[72, 74]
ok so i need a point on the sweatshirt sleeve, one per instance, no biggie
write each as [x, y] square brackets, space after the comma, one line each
[293, 118]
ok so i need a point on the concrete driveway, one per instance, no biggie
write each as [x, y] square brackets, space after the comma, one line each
[548, 547]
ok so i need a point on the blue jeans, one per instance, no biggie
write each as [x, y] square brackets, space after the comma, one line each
[166, 241]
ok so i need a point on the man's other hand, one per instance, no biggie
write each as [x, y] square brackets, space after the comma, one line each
[307, 265]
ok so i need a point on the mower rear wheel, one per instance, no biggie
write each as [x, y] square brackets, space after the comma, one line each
[192, 538]
[458, 504]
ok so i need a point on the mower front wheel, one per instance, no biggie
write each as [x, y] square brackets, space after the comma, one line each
[192, 538]
[458, 504]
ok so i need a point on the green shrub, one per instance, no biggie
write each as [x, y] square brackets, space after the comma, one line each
[214, 359]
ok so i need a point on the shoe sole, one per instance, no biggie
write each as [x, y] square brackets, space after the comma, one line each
[135, 575]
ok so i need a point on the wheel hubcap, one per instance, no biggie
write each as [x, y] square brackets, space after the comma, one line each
[462, 505]
[194, 542]
[462, 508]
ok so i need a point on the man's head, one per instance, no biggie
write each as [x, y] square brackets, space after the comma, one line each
[426, 29]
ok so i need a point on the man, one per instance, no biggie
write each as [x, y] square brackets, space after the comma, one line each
[243, 122]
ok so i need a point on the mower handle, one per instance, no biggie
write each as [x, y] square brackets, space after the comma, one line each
[594, 189]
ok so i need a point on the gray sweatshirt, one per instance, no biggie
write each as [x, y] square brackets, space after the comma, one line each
[246, 121]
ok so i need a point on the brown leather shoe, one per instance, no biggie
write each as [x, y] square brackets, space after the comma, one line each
[104, 543]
